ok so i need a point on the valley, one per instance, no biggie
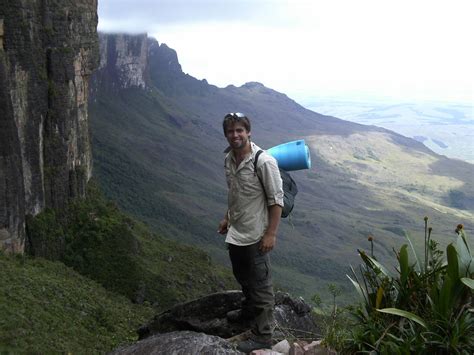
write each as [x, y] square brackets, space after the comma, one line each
[158, 154]
[444, 127]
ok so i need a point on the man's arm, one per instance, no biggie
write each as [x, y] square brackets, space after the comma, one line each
[273, 186]
[269, 238]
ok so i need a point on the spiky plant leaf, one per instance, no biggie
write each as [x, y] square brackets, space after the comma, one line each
[378, 300]
[466, 262]
[468, 282]
[358, 288]
[374, 264]
[417, 264]
[404, 266]
[402, 313]
[453, 264]
[446, 296]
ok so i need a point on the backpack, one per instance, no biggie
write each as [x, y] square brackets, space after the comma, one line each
[289, 188]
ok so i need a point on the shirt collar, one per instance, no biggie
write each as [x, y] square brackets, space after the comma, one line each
[253, 150]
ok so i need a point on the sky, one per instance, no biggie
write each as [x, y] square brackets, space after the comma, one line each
[353, 49]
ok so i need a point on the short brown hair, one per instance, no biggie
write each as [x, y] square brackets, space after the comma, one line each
[233, 118]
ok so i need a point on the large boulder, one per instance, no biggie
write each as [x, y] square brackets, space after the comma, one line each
[293, 318]
[208, 315]
[179, 343]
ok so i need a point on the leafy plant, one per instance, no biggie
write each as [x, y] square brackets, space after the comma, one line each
[425, 307]
[332, 319]
[100, 242]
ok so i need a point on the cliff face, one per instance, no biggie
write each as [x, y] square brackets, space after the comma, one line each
[138, 61]
[48, 50]
[123, 62]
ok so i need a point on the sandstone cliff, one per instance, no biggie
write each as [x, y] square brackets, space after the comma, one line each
[48, 50]
[131, 61]
[123, 62]
[139, 61]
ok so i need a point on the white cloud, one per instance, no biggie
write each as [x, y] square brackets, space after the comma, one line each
[411, 49]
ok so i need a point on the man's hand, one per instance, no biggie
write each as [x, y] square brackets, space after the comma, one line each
[267, 243]
[223, 226]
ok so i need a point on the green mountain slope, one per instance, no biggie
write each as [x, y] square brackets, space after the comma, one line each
[99, 241]
[46, 307]
[158, 153]
[99, 261]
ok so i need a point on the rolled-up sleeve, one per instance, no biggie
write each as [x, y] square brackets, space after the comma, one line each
[270, 175]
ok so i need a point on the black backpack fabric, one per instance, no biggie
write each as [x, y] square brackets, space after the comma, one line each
[289, 188]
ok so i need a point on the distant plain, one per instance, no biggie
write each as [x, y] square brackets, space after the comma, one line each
[444, 127]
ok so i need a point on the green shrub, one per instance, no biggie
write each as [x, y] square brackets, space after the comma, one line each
[426, 307]
[46, 236]
[332, 320]
[99, 241]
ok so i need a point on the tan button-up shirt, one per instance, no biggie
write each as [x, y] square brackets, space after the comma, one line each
[248, 203]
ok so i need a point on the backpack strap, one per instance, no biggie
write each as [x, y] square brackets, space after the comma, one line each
[255, 161]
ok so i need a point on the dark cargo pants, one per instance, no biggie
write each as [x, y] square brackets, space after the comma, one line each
[251, 268]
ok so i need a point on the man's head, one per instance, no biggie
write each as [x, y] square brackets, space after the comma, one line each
[237, 130]
[233, 118]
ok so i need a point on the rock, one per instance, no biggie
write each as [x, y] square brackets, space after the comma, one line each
[316, 348]
[265, 352]
[48, 52]
[297, 304]
[208, 315]
[313, 348]
[282, 347]
[180, 343]
[125, 56]
[240, 337]
[293, 316]
[296, 349]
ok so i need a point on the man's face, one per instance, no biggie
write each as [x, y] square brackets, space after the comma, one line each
[237, 135]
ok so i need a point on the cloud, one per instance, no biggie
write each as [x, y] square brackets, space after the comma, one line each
[148, 15]
[393, 48]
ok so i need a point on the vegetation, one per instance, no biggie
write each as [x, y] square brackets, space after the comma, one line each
[332, 319]
[427, 307]
[96, 239]
[92, 277]
[47, 308]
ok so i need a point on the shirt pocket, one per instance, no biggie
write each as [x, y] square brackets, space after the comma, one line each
[249, 183]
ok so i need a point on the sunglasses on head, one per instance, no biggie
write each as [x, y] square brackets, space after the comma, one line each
[235, 114]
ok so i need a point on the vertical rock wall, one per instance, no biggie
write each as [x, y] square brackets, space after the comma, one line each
[48, 50]
[123, 62]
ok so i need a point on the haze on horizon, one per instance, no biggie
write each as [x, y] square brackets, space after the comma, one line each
[400, 50]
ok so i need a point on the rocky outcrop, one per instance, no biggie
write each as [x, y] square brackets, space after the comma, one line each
[180, 343]
[201, 326]
[164, 58]
[166, 73]
[48, 50]
[208, 315]
[138, 61]
[123, 62]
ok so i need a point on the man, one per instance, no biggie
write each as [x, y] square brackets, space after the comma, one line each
[251, 223]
